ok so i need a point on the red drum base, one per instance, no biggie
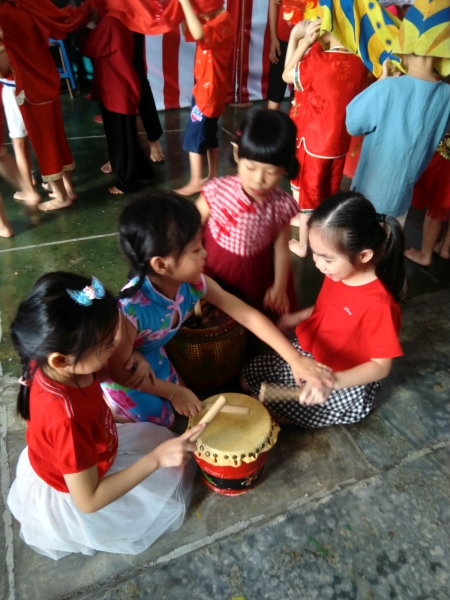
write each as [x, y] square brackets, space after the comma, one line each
[232, 481]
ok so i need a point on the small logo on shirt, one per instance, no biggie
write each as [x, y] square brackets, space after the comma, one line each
[196, 114]
[347, 310]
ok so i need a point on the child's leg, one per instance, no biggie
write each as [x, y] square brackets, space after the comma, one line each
[5, 228]
[196, 142]
[22, 155]
[196, 180]
[61, 198]
[444, 244]
[147, 106]
[9, 171]
[213, 162]
[300, 247]
[430, 233]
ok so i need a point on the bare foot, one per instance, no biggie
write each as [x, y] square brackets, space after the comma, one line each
[114, 190]
[191, 188]
[106, 168]
[295, 221]
[297, 248]
[98, 119]
[156, 153]
[442, 253]
[72, 195]
[418, 257]
[55, 204]
[6, 232]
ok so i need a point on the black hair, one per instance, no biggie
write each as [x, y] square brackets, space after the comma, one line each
[49, 320]
[158, 224]
[350, 224]
[269, 136]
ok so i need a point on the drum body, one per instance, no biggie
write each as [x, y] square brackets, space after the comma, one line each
[232, 450]
[208, 353]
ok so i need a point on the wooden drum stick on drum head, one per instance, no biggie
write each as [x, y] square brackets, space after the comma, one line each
[212, 412]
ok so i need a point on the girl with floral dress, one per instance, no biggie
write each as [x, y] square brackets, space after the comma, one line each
[161, 236]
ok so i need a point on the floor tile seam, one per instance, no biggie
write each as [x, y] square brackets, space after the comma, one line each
[269, 518]
[56, 242]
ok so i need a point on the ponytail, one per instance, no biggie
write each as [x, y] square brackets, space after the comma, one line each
[23, 397]
[350, 224]
[390, 268]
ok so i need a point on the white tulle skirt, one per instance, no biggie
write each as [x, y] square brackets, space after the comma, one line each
[52, 525]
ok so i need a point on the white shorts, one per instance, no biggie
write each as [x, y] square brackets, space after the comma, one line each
[14, 119]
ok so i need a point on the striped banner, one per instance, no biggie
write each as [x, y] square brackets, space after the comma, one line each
[170, 59]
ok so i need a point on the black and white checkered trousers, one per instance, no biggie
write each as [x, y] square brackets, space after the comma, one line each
[342, 407]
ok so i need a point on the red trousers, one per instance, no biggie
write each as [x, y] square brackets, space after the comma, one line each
[318, 178]
[44, 123]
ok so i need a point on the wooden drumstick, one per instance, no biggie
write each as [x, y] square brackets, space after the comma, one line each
[275, 393]
[229, 408]
[212, 412]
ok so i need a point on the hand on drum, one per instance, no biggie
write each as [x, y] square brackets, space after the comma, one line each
[186, 402]
[177, 451]
[319, 380]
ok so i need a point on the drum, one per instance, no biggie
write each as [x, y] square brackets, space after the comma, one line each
[208, 350]
[233, 448]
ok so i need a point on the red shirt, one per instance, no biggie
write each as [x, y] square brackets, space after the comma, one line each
[116, 84]
[351, 325]
[27, 46]
[241, 225]
[328, 81]
[284, 28]
[212, 64]
[70, 430]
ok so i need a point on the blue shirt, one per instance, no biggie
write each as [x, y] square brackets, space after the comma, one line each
[403, 119]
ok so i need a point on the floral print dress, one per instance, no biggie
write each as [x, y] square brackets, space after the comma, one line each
[152, 314]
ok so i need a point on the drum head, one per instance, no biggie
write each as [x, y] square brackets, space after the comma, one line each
[231, 439]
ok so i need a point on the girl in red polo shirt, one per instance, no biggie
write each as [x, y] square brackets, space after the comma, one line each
[84, 484]
[353, 327]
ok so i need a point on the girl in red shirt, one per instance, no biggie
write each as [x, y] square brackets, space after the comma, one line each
[353, 327]
[82, 483]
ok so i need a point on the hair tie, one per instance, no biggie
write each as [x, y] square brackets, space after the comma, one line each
[95, 291]
[25, 382]
[238, 133]
[380, 217]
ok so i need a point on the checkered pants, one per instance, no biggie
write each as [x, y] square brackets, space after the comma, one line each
[342, 407]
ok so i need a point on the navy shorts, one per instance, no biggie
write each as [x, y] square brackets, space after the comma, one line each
[201, 131]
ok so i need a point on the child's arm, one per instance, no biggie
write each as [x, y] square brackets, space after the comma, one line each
[319, 376]
[91, 493]
[276, 298]
[203, 208]
[373, 370]
[192, 21]
[288, 322]
[302, 37]
[275, 50]
[183, 400]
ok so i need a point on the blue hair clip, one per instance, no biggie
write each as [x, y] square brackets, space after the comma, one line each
[95, 291]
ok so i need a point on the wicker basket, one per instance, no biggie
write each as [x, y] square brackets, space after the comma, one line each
[208, 352]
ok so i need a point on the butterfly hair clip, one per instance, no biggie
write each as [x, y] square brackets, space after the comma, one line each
[95, 291]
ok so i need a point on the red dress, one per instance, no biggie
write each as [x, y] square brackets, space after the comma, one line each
[239, 238]
[432, 190]
[324, 82]
[37, 88]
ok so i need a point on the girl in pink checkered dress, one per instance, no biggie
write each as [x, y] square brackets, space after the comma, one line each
[246, 216]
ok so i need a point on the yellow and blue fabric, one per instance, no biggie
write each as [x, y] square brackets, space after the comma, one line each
[425, 31]
[364, 27]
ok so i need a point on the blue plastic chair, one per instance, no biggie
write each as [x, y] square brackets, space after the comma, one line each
[66, 71]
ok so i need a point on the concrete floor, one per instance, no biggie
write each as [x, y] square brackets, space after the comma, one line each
[357, 512]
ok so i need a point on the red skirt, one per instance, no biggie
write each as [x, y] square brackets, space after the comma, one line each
[247, 277]
[432, 190]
